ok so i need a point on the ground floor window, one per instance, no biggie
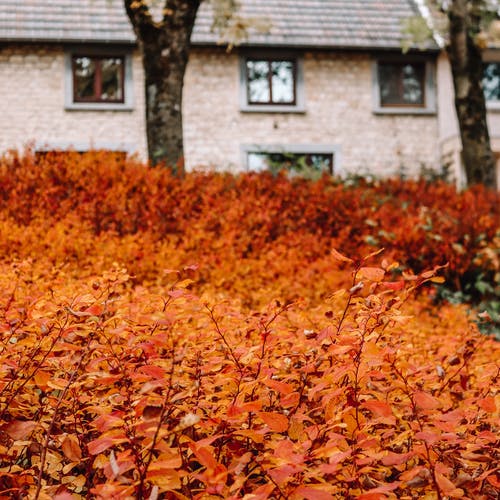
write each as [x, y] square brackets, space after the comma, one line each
[297, 160]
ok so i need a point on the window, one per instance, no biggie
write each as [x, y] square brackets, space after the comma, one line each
[491, 81]
[98, 79]
[271, 82]
[404, 85]
[295, 163]
[307, 160]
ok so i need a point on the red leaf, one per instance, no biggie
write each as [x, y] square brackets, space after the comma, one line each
[396, 458]
[100, 444]
[394, 285]
[20, 429]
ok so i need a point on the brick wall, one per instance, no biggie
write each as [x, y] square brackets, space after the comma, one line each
[338, 112]
[33, 107]
[338, 101]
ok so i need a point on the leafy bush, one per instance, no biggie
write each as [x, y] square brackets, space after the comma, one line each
[219, 220]
[238, 355]
[116, 391]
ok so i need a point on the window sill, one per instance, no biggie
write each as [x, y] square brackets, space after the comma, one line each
[95, 106]
[493, 106]
[273, 109]
[403, 111]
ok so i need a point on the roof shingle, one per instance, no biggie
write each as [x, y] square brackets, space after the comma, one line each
[304, 23]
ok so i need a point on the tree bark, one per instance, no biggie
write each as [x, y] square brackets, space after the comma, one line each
[467, 70]
[165, 51]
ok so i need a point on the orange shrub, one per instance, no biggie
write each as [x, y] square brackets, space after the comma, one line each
[238, 355]
[221, 218]
[118, 392]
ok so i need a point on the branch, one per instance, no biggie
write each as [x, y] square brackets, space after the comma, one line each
[140, 16]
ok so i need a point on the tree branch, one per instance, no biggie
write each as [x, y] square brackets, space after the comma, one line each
[140, 17]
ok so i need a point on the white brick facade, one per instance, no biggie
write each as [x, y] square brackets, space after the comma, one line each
[338, 112]
[33, 111]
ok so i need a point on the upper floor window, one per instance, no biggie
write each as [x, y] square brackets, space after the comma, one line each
[491, 81]
[404, 85]
[271, 82]
[98, 79]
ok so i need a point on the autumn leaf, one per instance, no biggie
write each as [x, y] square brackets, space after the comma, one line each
[277, 422]
[71, 448]
[372, 273]
[338, 256]
[378, 408]
[310, 493]
[20, 429]
[425, 401]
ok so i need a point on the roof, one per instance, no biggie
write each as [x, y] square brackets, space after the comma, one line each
[293, 23]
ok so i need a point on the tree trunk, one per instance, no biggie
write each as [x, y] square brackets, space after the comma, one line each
[467, 70]
[165, 51]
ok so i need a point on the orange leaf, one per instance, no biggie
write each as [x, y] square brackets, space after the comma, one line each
[309, 493]
[447, 487]
[280, 387]
[378, 408]
[338, 256]
[277, 422]
[205, 455]
[41, 379]
[425, 401]
[372, 273]
[488, 404]
[71, 448]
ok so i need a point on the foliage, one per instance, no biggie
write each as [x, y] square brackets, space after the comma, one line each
[78, 206]
[278, 368]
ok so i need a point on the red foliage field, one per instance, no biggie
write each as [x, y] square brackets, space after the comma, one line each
[240, 337]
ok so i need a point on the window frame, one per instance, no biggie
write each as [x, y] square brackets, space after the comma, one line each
[297, 106]
[269, 62]
[297, 149]
[429, 86]
[492, 56]
[91, 104]
[98, 59]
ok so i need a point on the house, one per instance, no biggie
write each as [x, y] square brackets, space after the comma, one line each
[328, 82]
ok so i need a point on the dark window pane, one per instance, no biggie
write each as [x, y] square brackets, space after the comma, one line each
[84, 76]
[401, 84]
[282, 81]
[258, 82]
[491, 81]
[111, 79]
